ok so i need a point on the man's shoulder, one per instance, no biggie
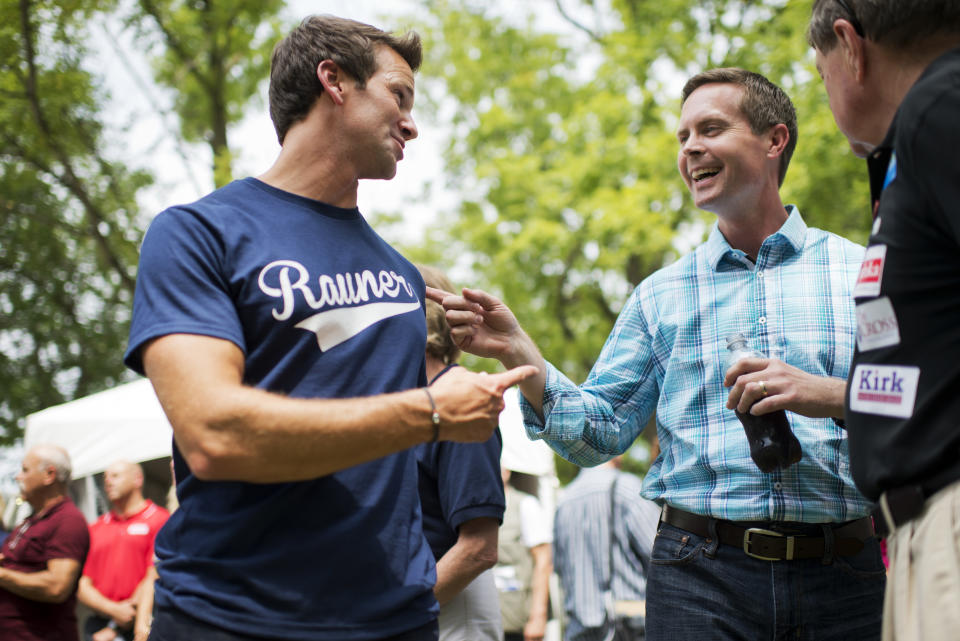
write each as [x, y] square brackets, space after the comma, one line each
[69, 521]
[833, 243]
[933, 100]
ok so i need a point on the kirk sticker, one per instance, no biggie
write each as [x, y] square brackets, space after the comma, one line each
[887, 390]
[876, 325]
[871, 272]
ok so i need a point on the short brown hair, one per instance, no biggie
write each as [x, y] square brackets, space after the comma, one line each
[294, 85]
[893, 23]
[440, 344]
[764, 104]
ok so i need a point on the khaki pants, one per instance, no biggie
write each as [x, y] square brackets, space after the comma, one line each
[922, 601]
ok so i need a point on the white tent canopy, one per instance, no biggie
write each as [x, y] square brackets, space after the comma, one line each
[125, 422]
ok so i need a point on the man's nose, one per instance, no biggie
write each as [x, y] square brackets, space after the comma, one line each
[408, 127]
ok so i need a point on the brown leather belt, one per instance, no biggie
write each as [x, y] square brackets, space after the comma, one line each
[776, 541]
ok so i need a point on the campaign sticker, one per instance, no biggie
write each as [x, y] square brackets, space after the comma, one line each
[887, 390]
[877, 325]
[138, 529]
[871, 272]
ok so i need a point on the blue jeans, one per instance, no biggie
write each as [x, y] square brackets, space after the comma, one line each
[173, 625]
[698, 590]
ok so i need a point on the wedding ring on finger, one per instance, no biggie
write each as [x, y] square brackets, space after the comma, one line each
[763, 387]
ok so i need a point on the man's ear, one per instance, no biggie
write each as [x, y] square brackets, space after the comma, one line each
[777, 139]
[331, 77]
[852, 47]
[49, 475]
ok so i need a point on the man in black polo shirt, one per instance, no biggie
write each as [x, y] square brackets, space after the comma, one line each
[892, 72]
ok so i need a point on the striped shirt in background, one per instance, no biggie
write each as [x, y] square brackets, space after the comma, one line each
[666, 354]
[581, 548]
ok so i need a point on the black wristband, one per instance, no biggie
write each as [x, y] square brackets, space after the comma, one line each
[434, 416]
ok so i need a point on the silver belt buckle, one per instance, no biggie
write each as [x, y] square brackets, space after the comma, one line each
[756, 530]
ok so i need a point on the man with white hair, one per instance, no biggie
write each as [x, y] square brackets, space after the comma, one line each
[40, 561]
[121, 552]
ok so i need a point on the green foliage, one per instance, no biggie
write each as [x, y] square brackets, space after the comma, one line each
[68, 242]
[565, 155]
[70, 227]
[214, 56]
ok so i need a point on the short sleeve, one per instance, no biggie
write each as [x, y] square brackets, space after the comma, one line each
[468, 481]
[182, 286]
[70, 540]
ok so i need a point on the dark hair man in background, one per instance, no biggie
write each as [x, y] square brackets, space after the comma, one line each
[892, 72]
[285, 340]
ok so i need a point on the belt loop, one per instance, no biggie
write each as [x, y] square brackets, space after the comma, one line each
[714, 539]
[828, 547]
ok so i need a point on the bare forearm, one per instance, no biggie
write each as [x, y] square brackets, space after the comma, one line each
[230, 431]
[540, 582]
[474, 552]
[41, 586]
[261, 437]
[91, 597]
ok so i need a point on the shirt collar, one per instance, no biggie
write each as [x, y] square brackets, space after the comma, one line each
[790, 238]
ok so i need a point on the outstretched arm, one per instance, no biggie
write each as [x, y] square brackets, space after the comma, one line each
[784, 388]
[230, 431]
[483, 325]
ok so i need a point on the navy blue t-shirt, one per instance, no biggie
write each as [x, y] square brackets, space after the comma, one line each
[458, 482]
[322, 307]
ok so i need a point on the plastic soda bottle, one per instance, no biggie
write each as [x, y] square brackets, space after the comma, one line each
[772, 442]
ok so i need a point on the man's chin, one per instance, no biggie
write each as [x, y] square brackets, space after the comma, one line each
[860, 149]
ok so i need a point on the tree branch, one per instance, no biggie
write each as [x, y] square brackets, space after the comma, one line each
[68, 178]
[563, 12]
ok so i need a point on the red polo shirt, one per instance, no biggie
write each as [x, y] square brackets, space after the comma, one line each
[121, 550]
[58, 533]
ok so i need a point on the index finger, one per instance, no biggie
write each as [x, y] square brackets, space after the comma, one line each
[437, 295]
[517, 374]
[741, 367]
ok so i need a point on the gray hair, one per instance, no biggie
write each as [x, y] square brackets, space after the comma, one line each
[893, 23]
[56, 457]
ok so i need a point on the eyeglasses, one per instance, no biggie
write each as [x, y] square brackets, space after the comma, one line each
[853, 18]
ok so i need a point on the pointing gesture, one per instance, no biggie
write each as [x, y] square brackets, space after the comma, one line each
[482, 325]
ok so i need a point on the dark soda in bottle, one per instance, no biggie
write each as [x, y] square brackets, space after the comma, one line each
[772, 442]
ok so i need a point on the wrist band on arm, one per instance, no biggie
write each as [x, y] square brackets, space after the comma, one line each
[434, 416]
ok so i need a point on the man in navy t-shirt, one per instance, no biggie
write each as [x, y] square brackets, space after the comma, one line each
[285, 340]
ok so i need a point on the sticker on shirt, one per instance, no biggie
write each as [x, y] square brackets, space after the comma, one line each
[877, 325]
[891, 171]
[888, 390]
[871, 272]
[138, 529]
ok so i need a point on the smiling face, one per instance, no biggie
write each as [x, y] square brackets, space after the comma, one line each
[723, 163]
[379, 118]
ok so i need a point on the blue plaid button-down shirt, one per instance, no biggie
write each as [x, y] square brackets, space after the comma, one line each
[667, 353]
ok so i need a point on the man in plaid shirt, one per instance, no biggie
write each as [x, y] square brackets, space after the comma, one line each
[740, 553]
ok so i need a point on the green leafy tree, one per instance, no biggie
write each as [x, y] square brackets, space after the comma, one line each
[68, 242]
[70, 226]
[214, 55]
[564, 151]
